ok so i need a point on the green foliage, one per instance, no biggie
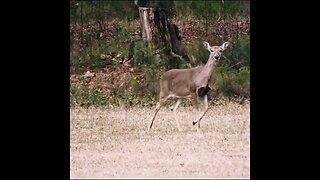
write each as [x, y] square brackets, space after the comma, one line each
[86, 11]
[145, 53]
[96, 62]
[118, 96]
[212, 9]
[176, 63]
[239, 52]
[198, 51]
[147, 58]
[86, 97]
[122, 30]
[86, 53]
[151, 85]
[230, 82]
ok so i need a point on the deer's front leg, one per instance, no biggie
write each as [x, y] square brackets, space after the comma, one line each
[204, 103]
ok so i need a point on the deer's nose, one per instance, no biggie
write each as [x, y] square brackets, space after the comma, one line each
[216, 57]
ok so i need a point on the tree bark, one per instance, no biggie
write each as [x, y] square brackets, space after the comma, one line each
[146, 22]
[156, 27]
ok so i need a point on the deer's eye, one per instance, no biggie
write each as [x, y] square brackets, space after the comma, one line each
[211, 50]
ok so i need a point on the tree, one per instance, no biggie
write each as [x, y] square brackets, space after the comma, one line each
[157, 27]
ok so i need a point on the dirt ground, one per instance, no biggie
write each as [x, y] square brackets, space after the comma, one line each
[113, 143]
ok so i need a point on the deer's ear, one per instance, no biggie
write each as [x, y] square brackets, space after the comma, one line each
[206, 45]
[225, 45]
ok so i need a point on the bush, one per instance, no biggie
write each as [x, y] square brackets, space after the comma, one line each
[197, 50]
[238, 55]
[231, 83]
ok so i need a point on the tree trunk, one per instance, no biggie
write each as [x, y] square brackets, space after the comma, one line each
[169, 33]
[146, 22]
[156, 27]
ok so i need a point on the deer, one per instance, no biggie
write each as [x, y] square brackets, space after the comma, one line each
[191, 83]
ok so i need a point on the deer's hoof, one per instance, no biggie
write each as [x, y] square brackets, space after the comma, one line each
[193, 123]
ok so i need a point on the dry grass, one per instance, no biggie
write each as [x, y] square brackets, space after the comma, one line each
[114, 143]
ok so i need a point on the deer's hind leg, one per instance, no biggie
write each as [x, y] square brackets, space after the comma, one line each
[174, 108]
[158, 106]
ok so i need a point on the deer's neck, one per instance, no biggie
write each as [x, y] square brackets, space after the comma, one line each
[208, 68]
[204, 73]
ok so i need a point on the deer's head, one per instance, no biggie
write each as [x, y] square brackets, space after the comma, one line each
[215, 51]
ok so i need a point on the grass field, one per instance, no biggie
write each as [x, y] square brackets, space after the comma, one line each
[113, 143]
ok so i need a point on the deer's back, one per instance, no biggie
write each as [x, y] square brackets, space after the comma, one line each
[178, 81]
